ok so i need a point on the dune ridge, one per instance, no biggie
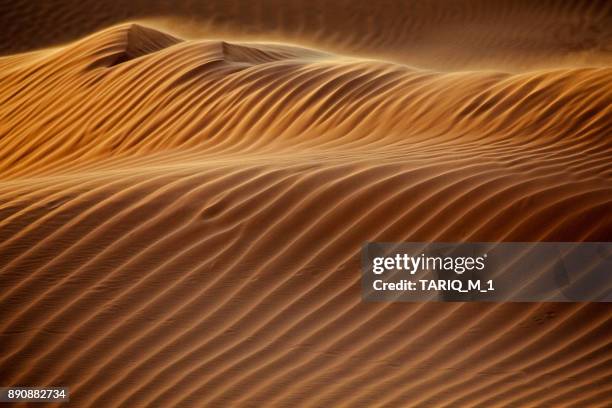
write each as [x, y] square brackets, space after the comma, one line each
[181, 221]
[436, 34]
[269, 98]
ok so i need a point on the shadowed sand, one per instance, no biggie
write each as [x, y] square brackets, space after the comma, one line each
[181, 221]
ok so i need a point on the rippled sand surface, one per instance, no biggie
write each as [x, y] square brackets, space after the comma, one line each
[182, 206]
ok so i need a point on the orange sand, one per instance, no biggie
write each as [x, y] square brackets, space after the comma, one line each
[181, 221]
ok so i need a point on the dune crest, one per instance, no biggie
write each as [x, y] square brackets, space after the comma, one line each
[139, 41]
[217, 97]
[436, 34]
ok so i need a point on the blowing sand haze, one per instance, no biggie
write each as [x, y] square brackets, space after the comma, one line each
[185, 191]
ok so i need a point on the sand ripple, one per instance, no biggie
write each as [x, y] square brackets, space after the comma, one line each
[180, 223]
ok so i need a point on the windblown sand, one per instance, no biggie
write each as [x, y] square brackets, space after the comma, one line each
[181, 221]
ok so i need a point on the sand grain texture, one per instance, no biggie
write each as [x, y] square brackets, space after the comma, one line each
[181, 221]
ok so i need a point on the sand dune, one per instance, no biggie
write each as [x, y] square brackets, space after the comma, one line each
[440, 34]
[147, 92]
[181, 221]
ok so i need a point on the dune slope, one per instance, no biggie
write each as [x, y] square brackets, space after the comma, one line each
[181, 221]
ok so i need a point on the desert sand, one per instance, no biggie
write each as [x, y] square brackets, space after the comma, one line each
[181, 214]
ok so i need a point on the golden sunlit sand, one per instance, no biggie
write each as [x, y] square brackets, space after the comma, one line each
[181, 221]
